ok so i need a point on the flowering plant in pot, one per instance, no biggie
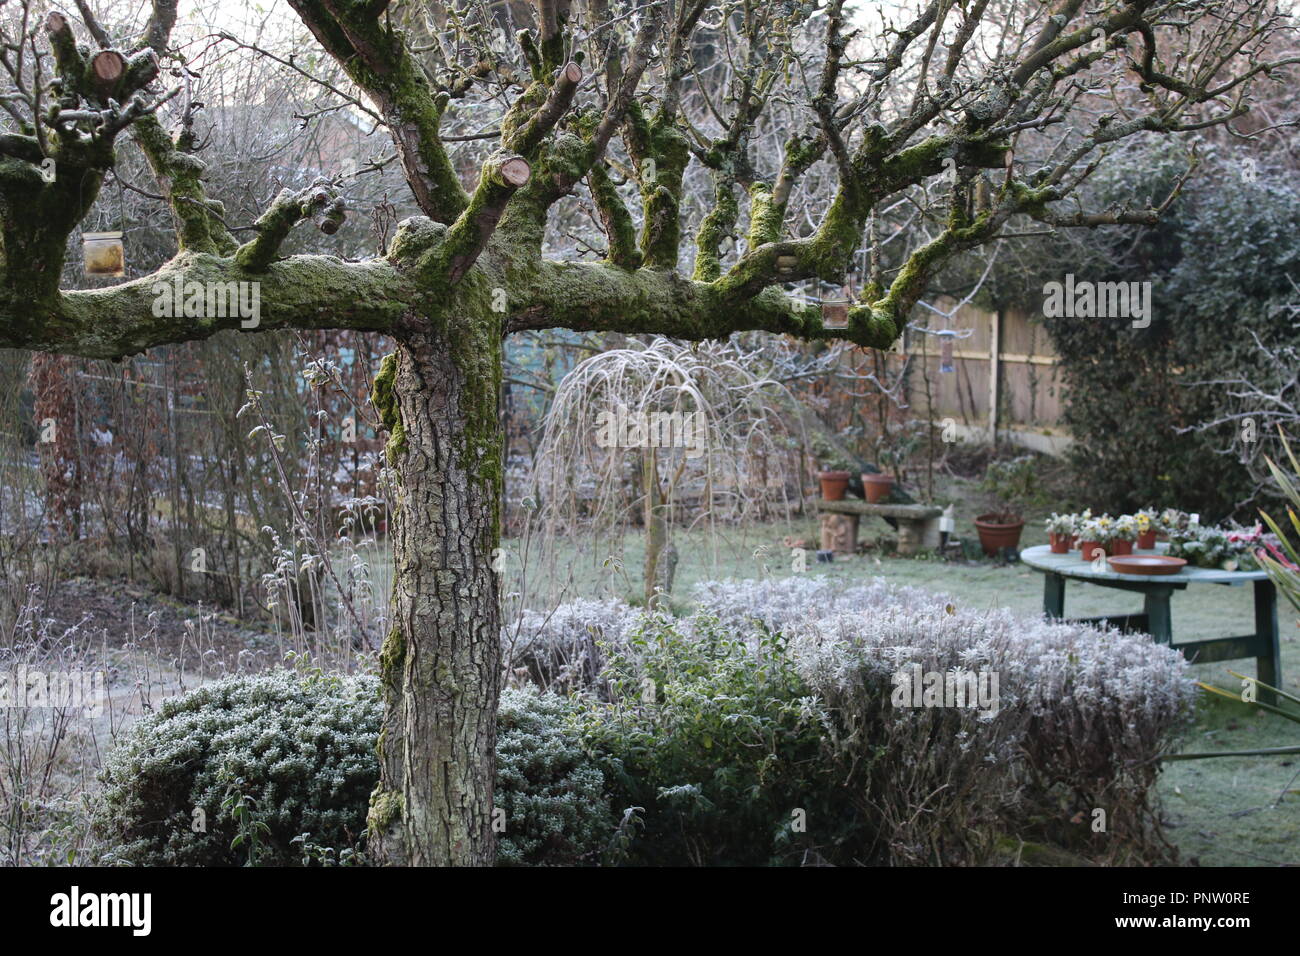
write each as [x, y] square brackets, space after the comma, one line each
[1094, 536]
[1079, 519]
[1203, 547]
[1172, 522]
[1123, 534]
[1148, 523]
[1224, 549]
[1060, 532]
[1014, 486]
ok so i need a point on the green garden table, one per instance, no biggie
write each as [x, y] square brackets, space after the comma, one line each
[1155, 618]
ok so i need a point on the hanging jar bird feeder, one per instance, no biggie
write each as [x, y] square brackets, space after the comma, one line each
[104, 253]
[835, 310]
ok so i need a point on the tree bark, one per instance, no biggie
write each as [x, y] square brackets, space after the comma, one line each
[656, 525]
[441, 661]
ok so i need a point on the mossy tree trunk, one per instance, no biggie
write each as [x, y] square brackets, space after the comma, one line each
[441, 661]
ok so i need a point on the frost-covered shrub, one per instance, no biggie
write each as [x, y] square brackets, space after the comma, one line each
[552, 792]
[783, 601]
[303, 749]
[1082, 712]
[715, 740]
[938, 780]
[1104, 706]
[559, 650]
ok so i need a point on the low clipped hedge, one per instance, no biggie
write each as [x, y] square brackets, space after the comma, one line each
[763, 729]
[301, 751]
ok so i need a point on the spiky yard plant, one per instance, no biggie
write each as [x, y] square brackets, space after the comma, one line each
[1283, 567]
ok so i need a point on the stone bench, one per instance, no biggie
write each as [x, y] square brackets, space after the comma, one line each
[918, 525]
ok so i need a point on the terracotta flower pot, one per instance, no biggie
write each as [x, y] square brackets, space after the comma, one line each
[1089, 549]
[998, 532]
[1147, 540]
[1060, 542]
[834, 484]
[876, 487]
[1120, 546]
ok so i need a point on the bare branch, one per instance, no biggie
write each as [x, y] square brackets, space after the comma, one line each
[502, 176]
[319, 202]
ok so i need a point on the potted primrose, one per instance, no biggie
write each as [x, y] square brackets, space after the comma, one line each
[1147, 526]
[1060, 532]
[1123, 534]
[1093, 537]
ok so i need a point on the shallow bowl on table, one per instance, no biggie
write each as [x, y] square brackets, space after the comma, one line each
[1146, 564]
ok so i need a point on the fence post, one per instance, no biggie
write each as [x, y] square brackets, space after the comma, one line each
[995, 363]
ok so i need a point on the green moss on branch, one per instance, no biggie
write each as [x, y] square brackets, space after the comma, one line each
[620, 231]
[718, 224]
[384, 396]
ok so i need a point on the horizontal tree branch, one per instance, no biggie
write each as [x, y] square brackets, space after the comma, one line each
[196, 295]
[602, 297]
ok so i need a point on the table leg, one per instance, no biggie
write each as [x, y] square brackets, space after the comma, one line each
[1159, 620]
[1268, 666]
[1053, 596]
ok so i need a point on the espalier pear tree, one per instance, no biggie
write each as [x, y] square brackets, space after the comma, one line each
[987, 116]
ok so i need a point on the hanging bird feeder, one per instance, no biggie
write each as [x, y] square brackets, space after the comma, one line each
[104, 253]
[835, 310]
[946, 338]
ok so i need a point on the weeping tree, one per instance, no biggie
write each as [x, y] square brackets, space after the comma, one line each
[683, 420]
[988, 114]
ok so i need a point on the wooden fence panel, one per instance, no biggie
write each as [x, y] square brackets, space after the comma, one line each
[1008, 358]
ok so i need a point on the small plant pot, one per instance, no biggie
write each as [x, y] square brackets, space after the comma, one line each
[1089, 549]
[876, 487]
[1147, 540]
[834, 484]
[1060, 542]
[998, 532]
[1119, 546]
